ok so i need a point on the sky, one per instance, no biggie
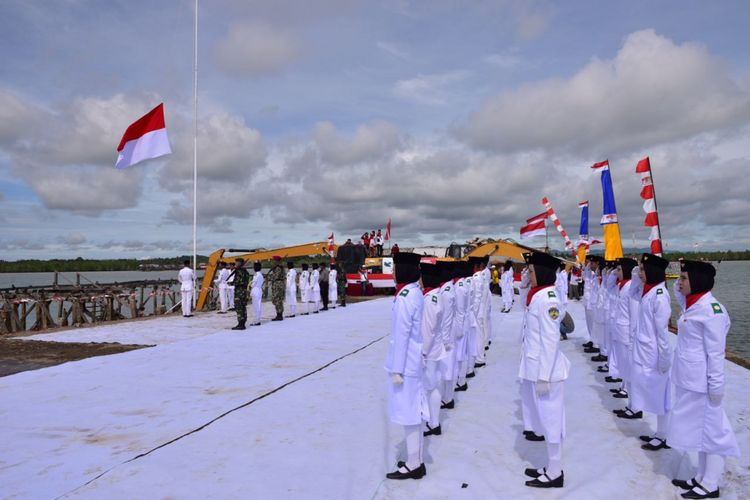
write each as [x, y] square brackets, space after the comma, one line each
[452, 119]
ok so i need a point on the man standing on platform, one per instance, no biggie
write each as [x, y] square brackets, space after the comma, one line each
[186, 277]
[278, 287]
[241, 280]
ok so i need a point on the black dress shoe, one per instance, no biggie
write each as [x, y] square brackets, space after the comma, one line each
[547, 482]
[470, 375]
[601, 358]
[685, 485]
[479, 365]
[460, 388]
[293, 315]
[661, 445]
[417, 473]
[629, 415]
[602, 369]
[615, 391]
[592, 350]
[534, 472]
[533, 437]
[239, 327]
[646, 439]
[620, 395]
[698, 491]
[612, 380]
[588, 344]
[432, 431]
[449, 405]
[256, 324]
[486, 348]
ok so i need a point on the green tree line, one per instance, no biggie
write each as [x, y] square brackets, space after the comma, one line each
[86, 265]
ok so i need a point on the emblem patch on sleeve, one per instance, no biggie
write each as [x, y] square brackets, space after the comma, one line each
[434, 299]
[404, 293]
[717, 308]
[659, 291]
[553, 312]
[447, 288]
[460, 283]
[551, 294]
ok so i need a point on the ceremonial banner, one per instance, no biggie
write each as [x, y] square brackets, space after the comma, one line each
[144, 139]
[649, 205]
[612, 240]
[583, 232]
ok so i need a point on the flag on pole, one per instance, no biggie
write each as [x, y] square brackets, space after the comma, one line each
[533, 228]
[388, 230]
[612, 240]
[537, 218]
[144, 139]
[553, 217]
[583, 232]
[649, 204]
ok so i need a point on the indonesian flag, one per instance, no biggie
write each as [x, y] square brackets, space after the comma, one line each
[146, 138]
[330, 245]
[388, 231]
[534, 228]
[537, 218]
[601, 166]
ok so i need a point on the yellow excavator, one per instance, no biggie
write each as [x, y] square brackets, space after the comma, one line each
[259, 254]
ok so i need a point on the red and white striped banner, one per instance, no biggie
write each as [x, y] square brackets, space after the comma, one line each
[553, 217]
[649, 205]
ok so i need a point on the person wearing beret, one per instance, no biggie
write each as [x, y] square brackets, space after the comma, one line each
[256, 292]
[278, 287]
[544, 368]
[241, 280]
[404, 364]
[448, 304]
[291, 288]
[652, 353]
[433, 346]
[625, 320]
[698, 422]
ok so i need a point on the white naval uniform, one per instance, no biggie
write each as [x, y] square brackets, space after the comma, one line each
[291, 290]
[542, 361]
[406, 401]
[589, 292]
[697, 424]
[230, 288]
[256, 294]
[610, 298]
[304, 289]
[506, 289]
[597, 309]
[652, 354]
[448, 305]
[626, 317]
[488, 303]
[333, 288]
[477, 310]
[460, 320]
[315, 289]
[433, 350]
[186, 277]
[561, 287]
[221, 284]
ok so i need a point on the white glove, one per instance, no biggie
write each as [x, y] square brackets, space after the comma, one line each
[542, 388]
[715, 399]
[448, 347]
[397, 379]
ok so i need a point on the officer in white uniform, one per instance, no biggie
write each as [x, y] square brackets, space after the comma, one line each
[506, 286]
[256, 292]
[561, 287]
[524, 286]
[406, 402]
[477, 310]
[186, 277]
[463, 324]
[544, 367]
[698, 422]
[651, 389]
[291, 288]
[433, 347]
[230, 286]
[487, 301]
[333, 287]
[221, 285]
[626, 317]
[304, 289]
[453, 320]
[314, 290]
[590, 297]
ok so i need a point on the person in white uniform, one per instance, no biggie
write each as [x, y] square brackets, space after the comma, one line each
[590, 297]
[544, 368]
[186, 277]
[487, 301]
[333, 288]
[626, 317]
[453, 290]
[304, 289]
[651, 389]
[698, 422]
[405, 365]
[506, 286]
[433, 347]
[221, 285]
[463, 308]
[478, 305]
[256, 292]
[314, 290]
[291, 288]
[524, 286]
[230, 285]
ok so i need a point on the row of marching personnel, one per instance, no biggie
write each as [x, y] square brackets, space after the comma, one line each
[628, 308]
[627, 314]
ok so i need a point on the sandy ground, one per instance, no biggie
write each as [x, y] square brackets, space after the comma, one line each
[297, 409]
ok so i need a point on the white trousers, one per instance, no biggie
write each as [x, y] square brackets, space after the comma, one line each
[257, 296]
[224, 298]
[187, 302]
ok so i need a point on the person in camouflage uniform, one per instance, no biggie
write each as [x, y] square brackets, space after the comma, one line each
[241, 281]
[278, 287]
[341, 285]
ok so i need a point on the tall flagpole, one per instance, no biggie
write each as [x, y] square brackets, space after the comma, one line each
[195, 151]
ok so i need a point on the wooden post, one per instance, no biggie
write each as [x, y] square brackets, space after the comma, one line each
[24, 313]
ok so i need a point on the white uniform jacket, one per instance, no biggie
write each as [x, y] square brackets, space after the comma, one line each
[304, 286]
[256, 287]
[221, 279]
[477, 297]
[448, 304]
[186, 277]
[561, 287]
[315, 285]
[432, 326]
[701, 343]
[405, 342]
[626, 314]
[291, 285]
[461, 296]
[541, 358]
[333, 287]
[651, 347]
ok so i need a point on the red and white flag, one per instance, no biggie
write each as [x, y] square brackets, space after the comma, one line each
[388, 231]
[649, 204]
[537, 218]
[533, 228]
[146, 138]
[601, 166]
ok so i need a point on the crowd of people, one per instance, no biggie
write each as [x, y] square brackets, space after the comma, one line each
[441, 329]
[373, 242]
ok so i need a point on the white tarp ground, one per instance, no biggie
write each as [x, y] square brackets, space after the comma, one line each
[324, 436]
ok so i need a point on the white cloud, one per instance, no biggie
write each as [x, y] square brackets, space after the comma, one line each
[254, 50]
[371, 141]
[433, 90]
[393, 49]
[652, 91]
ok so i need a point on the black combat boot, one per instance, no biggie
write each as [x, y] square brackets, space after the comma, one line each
[279, 317]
